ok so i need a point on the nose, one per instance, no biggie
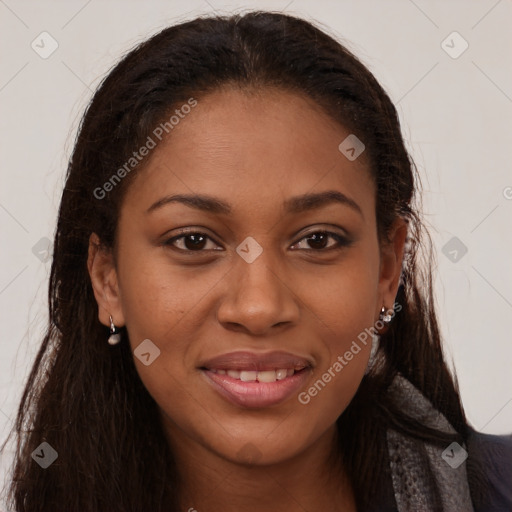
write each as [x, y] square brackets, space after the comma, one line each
[258, 300]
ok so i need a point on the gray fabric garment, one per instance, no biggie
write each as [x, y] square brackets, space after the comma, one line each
[408, 458]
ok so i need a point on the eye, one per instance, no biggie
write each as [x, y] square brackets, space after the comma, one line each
[195, 241]
[191, 242]
[318, 241]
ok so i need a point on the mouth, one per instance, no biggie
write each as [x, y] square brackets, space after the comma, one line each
[256, 389]
[257, 379]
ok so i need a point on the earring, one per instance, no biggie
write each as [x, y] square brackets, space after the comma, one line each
[385, 315]
[115, 334]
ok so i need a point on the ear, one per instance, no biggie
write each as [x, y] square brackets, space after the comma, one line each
[102, 271]
[391, 256]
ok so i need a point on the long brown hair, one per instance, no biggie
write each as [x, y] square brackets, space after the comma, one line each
[85, 397]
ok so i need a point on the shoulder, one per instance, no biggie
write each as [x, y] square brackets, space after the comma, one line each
[489, 466]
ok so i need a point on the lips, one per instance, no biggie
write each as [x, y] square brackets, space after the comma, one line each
[253, 380]
[251, 361]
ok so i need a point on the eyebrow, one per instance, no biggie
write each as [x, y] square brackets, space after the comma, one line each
[296, 204]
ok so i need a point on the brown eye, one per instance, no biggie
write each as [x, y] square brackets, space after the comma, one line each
[318, 241]
[190, 242]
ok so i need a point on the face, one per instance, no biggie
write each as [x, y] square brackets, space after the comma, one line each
[265, 272]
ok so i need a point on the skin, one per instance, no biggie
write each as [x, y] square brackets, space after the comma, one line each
[253, 151]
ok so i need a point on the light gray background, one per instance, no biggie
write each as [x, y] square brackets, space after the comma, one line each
[456, 114]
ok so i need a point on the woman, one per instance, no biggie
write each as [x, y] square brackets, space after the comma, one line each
[238, 317]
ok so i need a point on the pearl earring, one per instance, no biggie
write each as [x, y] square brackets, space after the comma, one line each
[385, 315]
[115, 335]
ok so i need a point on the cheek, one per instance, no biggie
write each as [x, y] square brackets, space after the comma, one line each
[347, 341]
[168, 305]
[343, 297]
[343, 305]
[159, 299]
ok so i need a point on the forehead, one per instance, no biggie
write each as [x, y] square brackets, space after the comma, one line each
[254, 146]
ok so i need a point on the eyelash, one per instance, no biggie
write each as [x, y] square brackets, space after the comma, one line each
[340, 239]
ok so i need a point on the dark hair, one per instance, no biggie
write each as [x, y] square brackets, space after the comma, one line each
[85, 397]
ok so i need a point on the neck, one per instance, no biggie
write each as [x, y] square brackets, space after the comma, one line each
[308, 481]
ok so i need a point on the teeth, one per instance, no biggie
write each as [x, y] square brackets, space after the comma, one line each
[248, 376]
[252, 376]
[267, 376]
[281, 374]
